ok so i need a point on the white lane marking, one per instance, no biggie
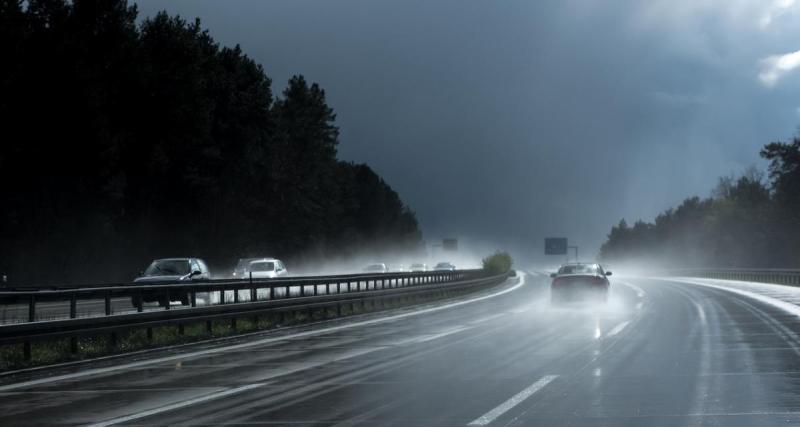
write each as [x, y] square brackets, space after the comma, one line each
[522, 309]
[431, 337]
[99, 371]
[783, 305]
[514, 401]
[617, 329]
[639, 292]
[701, 312]
[487, 318]
[177, 405]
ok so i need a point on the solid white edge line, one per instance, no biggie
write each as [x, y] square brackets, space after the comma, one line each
[178, 405]
[512, 402]
[783, 305]
[99, 371]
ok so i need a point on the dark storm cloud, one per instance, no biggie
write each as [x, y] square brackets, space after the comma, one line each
[506, 122]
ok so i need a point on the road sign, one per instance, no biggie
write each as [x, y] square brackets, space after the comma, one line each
[555, 246]
[450, 244]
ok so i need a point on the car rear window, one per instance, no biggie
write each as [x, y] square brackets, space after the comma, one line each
[168, 268]
[580, 269]
[262, 266]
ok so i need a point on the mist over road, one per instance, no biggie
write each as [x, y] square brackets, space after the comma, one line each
[662, 352]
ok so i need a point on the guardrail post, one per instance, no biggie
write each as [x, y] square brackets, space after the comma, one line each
[180, 328]
[73, 313]
[167, 300]
[253, 293]
[139, 301]
[209, 327]
[271, 292]
[236, 294]
[32, 309]
[194, 297]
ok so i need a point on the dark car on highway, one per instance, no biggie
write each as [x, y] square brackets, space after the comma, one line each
[578, 281]
[171, 270]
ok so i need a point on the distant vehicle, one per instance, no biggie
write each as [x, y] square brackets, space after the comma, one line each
[398, 268]
[171, 270]
[376, 268]
[241, 267]
[418, 267]
[444, 266]
[265, 268]
[575, 281]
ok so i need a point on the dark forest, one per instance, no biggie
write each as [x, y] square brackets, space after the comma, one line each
[128, 140]
[749, 221]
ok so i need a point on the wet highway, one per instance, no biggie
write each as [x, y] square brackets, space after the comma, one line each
[661, 352]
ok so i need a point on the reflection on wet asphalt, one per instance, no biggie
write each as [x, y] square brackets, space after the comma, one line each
[659, 353]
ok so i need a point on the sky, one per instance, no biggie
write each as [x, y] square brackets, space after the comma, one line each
[505, 122]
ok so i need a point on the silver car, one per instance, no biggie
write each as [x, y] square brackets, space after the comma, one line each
[444, 266]
[376, 268]
[265, 268]
[418, 267]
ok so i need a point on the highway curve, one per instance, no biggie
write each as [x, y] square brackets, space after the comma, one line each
[662, 352]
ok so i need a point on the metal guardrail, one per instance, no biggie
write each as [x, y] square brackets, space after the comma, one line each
[263, 296]
[789, 277]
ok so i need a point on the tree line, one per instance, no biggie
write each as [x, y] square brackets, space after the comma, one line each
[124, 142]
[748, 221]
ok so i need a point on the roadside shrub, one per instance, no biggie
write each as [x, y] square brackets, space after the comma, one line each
[498, 263]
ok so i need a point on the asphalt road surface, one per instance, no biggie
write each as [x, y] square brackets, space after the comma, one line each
[659, 353]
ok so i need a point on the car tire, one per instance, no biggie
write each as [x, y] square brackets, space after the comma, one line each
[136, 301]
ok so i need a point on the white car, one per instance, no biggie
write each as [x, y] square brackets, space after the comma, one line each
[418, 267]
[376, 268]
[265, 268]
[260, 268]
[241, 267]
